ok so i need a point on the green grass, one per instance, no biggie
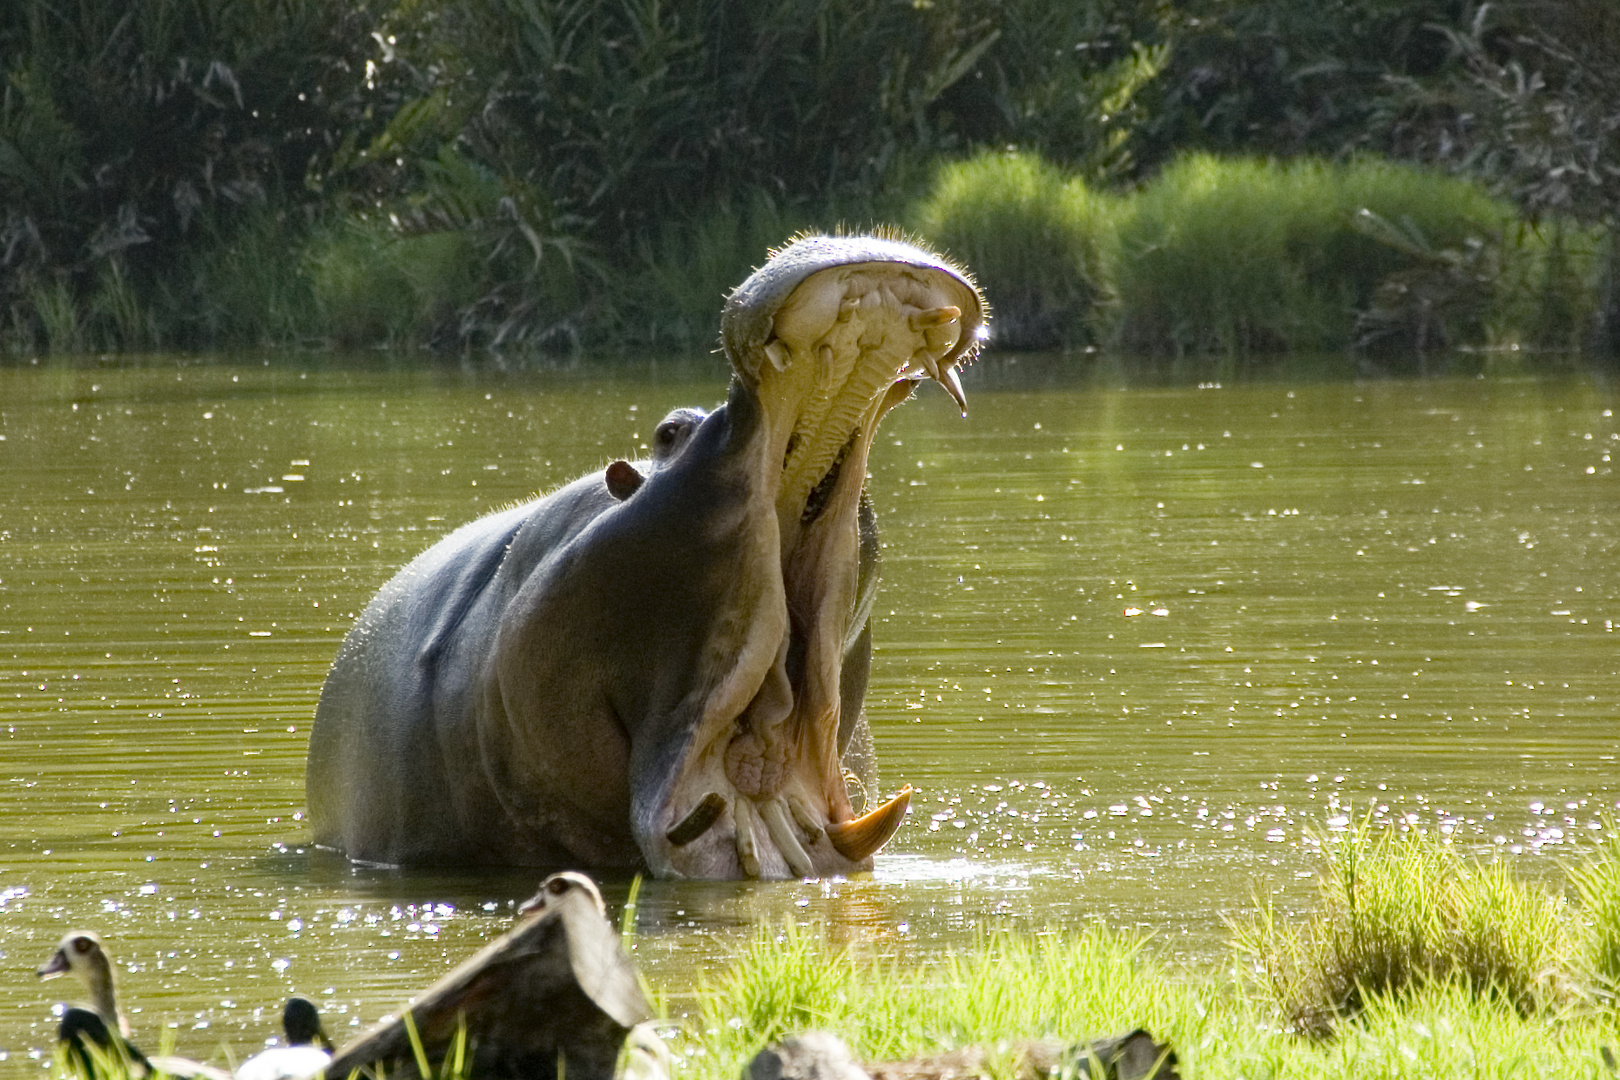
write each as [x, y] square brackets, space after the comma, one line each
[1596, 881]
[1397, 911]
[1243, 255]
[1416, 961]
[1032, 236]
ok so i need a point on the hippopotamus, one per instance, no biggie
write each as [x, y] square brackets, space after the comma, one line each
[661, 666]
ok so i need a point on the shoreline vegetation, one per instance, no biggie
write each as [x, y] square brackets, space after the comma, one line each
[1414, 961]
[547, 176]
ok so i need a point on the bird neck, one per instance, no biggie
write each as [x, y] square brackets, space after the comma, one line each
[103, 998]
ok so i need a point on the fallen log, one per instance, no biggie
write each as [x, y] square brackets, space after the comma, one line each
[554, 997]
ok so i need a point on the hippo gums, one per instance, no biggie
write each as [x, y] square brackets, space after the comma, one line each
[662, 665]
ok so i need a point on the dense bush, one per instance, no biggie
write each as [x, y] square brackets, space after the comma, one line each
[133, 136]
[547, 173]
[1033, 238]
[1243, 255]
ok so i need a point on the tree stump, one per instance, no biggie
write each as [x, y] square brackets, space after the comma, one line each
[552, 998]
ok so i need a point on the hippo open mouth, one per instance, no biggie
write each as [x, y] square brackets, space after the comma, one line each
[826, 339]
[660, 664]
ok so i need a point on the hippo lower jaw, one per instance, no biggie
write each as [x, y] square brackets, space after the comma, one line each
[826, 347]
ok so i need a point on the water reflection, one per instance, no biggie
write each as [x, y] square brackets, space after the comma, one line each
[1136, 644]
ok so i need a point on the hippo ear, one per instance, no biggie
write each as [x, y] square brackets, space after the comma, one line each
[623, 480]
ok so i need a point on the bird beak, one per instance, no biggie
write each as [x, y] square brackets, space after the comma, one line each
[56, 965]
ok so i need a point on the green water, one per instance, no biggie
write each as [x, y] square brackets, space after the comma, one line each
[1133, 645]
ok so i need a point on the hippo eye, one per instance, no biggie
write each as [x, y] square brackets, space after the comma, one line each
[666, 434]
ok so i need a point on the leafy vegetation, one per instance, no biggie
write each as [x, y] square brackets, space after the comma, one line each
[546, 174]
[1222, 255]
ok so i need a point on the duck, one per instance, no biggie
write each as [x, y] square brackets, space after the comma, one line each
[100, 1034]
[557, 885]
[306, 1052]
[88, 1041]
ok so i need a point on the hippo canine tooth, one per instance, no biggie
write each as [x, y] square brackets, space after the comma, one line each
[953, 386]
[775, 816]
[699, 820]
[747, 852]
[857, 840]
[939, 316]
[777, 354]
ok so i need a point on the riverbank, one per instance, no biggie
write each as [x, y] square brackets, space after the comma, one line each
[1415, 961]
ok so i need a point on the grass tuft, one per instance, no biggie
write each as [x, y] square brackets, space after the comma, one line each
[1596, 879]
[1057, 984]
[1396, 912]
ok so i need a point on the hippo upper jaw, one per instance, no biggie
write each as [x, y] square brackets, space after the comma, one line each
[824, 341]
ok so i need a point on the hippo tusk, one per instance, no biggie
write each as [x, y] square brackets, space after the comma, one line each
[953, 387]
[747, 854]
[857, 840]
[939, 316]
[944, 375]
[775, 816]
[699, 821]
[777, 354]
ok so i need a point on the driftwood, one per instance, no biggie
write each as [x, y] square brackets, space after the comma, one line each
[552, 998]
[819, 1055]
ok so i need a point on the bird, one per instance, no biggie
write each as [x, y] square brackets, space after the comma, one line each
[103, 1026]
[92, 1045]
[557, 885]
[307, 1050]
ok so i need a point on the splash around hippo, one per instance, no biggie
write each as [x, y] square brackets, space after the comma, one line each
[662, 665]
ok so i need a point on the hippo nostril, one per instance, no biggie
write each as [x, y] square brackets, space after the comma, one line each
[623, 480]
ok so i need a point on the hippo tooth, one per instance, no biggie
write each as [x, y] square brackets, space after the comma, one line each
[776, 821]
[953, 386]
[803, 815]
[699, 821]
[939, 316]
[777, 353]
[857, 840]
[747, 854]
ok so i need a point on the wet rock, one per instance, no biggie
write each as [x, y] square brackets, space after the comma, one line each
[1135, 1055]
[812, 1055]
[554, 997]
